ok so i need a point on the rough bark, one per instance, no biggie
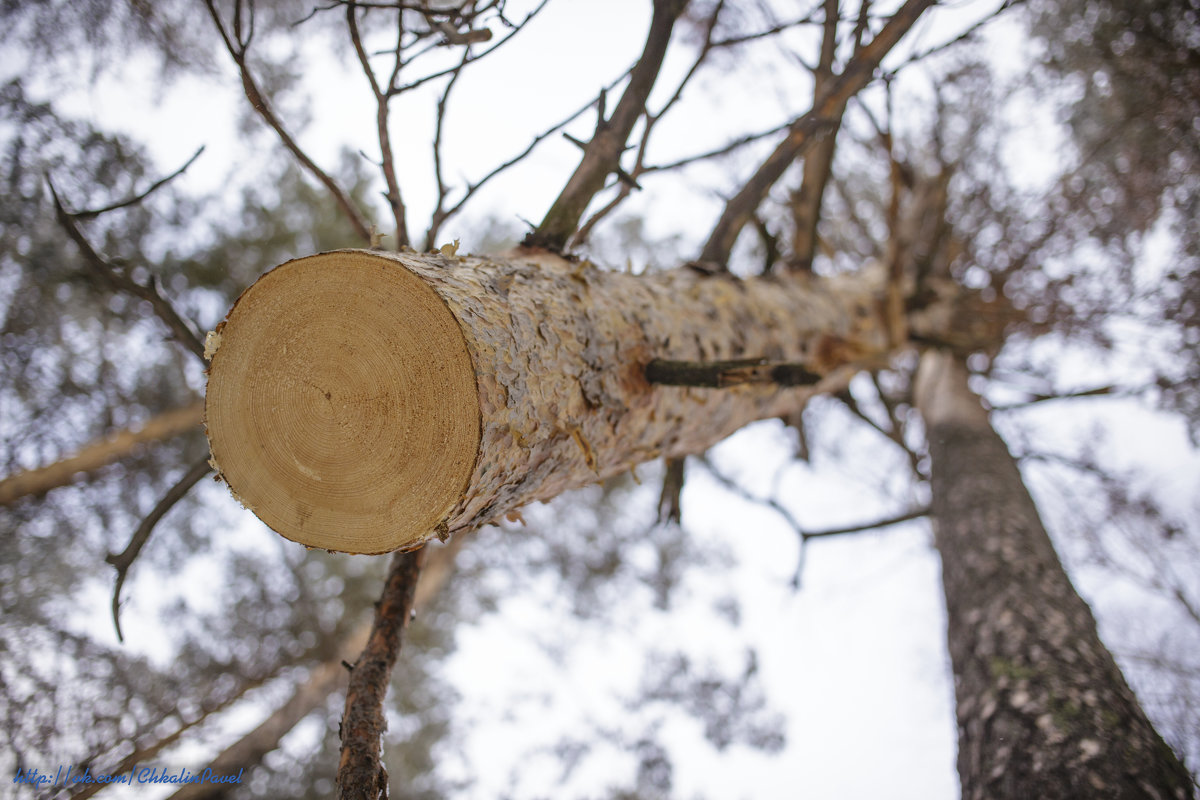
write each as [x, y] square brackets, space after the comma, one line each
[111, 448]
[323, 422]
[1043, 710]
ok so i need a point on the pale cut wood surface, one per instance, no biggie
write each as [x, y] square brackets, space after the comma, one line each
[341, 405]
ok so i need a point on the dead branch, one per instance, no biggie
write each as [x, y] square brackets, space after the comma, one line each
[669, 504]
[803, 534]
[442, 214]
[123, 560]
[97, 454]
[361, 775]
[387, 162]
[856, 75]
[628, 182]
[603, 153]
[137, 198]
[723, 374]
[440, 127]
[237, 44]
[117, 279]
[473, 57]
[818, 162]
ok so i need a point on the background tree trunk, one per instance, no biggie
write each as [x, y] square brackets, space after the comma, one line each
[1043, 710]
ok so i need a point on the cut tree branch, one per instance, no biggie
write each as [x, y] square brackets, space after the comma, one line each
[723, 374]
[361, 774]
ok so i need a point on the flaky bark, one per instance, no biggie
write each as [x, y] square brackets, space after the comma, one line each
[1043, 710]
[111, 448]
[557, 363]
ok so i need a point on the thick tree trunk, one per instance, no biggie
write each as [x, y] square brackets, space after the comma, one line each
[1043, 710]
[363, 401]
[111, 448]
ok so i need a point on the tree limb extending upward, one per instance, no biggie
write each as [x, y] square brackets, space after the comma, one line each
[603, 153]
[361, 775]
[801, 133]
[237, 43]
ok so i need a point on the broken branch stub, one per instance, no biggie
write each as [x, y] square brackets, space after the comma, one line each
[364, 401]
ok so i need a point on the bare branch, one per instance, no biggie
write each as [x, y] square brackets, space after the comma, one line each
[517, 28]
[137, 198]
[237, 51]
[361, 775]
[440, 217]
[117, 279]
[818, 162]
[437, 218]
[123, 560]
[804, 534]
[826, 108]
[604, 151]
[724, 149]
[1099, 391]
[382, 96]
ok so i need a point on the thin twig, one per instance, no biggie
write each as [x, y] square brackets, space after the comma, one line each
[443, 191]
[137, 198]
[803, 534]
[1099, 391]
[361, 774]
[124, 560]
[517, 28]
[120, 281]
[717, 152]
[439, 218]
